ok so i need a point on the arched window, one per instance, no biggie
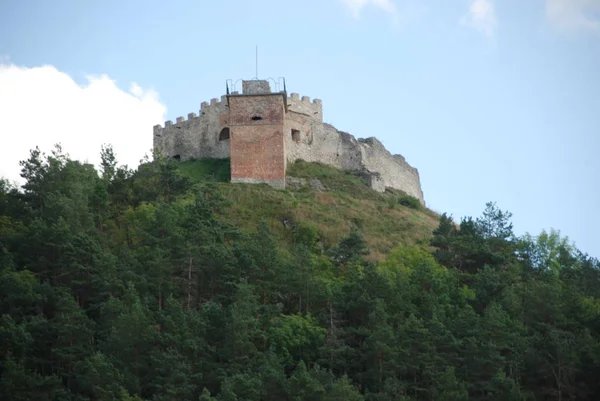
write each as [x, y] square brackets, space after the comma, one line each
[224, 135]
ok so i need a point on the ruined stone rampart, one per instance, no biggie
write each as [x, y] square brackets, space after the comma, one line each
[198, 135]
[305, 107]
[305, 136]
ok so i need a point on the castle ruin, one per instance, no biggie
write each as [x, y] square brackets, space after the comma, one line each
[263, 131]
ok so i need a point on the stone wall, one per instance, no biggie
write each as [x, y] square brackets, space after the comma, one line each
[196, 136]
[395, 172]
[303, 135]
[255, 87]
[323, 143]
[304, 106]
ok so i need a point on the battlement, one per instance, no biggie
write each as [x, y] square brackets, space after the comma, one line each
[294, 97]
[296, 104]
[303, 105]
[214, 102]
[158, 129]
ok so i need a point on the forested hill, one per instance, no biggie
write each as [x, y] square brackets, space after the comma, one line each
[165, 283]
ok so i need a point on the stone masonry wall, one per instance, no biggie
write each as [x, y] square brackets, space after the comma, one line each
[255, 87]
[304, 136]
[305, 107]
[196, 136]
[327, 145]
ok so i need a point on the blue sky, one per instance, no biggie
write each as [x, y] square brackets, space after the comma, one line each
[491, 100]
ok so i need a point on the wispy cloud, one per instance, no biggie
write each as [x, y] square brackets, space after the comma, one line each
[357, 5]
[42, 106]
[482, 17]
[574, 15]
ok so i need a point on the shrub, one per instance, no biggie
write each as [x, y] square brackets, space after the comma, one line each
[206, 169]
[409, 201]
[307, 235]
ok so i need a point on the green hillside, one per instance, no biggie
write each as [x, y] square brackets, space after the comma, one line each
[168, 283]
[345, 202]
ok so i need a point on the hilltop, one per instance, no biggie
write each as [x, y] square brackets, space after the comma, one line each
[263, 131]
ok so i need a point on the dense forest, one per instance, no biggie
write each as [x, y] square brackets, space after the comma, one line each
[124, 284]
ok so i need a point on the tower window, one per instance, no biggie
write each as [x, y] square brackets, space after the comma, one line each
[224, 135]
[256, 118]
[296, 135]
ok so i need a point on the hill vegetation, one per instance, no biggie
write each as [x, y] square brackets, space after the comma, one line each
[342, 203]
[167, 283]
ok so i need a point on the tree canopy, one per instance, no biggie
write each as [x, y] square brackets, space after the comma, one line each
[125, 284]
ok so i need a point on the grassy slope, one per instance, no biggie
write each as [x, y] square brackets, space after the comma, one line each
[347, 201]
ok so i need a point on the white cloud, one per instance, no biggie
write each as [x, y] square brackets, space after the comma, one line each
[42, 106]
[574, 15]
[482, 17]
[357, 5]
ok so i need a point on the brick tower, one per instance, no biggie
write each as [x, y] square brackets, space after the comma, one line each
[256, 123]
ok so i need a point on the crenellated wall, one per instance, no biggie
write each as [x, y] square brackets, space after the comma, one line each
[305, 107]
[198, 135]
[305, 137]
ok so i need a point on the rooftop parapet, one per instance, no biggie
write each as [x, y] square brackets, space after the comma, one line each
[256, 87]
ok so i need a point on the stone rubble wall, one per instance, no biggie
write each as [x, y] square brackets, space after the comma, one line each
[339, 149]
[394, 171]
[313, 141]
[305, 107]
[197, 136]
[255, 87]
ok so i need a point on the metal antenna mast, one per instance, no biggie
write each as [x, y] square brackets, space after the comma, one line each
[257, 62]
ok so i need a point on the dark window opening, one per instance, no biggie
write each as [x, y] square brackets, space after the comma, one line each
[296, 135]
[224, 135]
[177, 157]
[256, 118]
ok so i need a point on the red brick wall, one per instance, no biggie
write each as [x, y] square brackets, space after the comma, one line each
[257, 150]
[243, 108]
